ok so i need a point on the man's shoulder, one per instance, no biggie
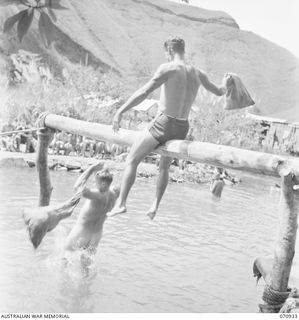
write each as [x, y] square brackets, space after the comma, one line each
[92, 193]
[177, 66]
[167, 66]
[173, 68]
[201, 72]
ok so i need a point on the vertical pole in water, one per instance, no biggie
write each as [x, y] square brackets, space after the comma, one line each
[45, 137]
[276, 292]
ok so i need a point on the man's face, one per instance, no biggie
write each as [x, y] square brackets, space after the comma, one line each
[101, 184]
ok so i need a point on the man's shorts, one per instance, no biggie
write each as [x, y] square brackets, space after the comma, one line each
[166, 128]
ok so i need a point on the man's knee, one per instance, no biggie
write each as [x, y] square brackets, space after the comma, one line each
[132, 161]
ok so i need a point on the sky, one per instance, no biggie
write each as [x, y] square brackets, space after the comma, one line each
[275, 20]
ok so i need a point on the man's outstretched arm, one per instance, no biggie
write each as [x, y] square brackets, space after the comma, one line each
[138, 96]
[208, 85]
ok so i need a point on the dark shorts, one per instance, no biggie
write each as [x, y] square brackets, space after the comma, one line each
[166, 128]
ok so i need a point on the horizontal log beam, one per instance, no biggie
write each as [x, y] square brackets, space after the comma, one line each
[203, 152]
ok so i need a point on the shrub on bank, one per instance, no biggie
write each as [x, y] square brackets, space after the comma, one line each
[80, 92]
[213, 124]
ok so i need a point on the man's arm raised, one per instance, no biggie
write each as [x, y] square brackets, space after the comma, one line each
[138, 96]
[81, 181]
[208, 85]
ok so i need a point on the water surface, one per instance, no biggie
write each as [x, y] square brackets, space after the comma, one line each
[196, 256]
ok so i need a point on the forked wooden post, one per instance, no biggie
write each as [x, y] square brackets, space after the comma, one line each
[45, 137]
[276, 290]
[286, 239]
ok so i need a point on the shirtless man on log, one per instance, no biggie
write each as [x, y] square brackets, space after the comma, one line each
[180, 82]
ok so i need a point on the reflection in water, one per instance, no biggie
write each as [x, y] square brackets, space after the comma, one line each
[196, 256]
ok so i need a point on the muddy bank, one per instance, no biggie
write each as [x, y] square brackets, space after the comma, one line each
[69, 163]
[192, 172]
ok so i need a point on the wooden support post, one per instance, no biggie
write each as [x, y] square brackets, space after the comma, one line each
[45, 137]
[285, 247]
[276, 290]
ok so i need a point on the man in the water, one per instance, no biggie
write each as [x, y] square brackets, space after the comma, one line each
[88, 229]
[180, 82]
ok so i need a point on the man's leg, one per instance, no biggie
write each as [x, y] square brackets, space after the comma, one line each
[141, 148]
[161, 185]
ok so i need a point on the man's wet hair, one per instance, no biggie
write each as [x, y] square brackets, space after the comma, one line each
[105, 175]
[175, 44]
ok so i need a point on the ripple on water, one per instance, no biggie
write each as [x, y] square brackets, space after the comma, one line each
[196, 256]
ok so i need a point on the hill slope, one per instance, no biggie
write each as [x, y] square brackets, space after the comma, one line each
[127, 37]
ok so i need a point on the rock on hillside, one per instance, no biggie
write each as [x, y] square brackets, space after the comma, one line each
[126, 36]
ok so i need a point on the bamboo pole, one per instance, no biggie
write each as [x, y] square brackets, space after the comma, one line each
[45, 137]
[212, 154]
[19, 131]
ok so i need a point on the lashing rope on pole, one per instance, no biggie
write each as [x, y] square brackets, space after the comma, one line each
[276, 299]
[7, 133]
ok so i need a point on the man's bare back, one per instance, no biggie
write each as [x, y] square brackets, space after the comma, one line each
[179, 91]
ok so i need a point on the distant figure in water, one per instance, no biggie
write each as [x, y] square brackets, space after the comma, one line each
[87, 232]
[221, 178]
[217, 182]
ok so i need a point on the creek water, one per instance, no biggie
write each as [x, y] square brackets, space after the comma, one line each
[196, 256]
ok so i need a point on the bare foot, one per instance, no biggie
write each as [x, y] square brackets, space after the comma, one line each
[152, 212]
[151, 215]
[116, 210]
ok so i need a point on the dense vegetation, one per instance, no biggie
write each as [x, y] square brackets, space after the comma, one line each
[88, 94]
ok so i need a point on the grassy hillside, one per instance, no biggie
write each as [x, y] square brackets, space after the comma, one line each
[126, 37]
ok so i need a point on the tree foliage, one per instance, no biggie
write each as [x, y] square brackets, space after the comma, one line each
[4, 3]
[42, 9]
